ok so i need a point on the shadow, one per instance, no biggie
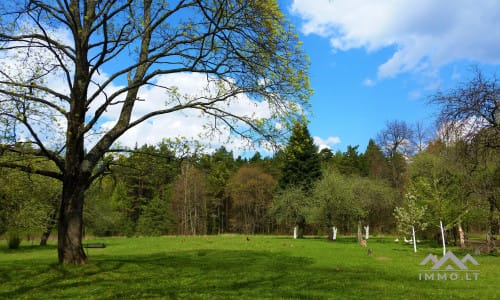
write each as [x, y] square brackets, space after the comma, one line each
[27, 248]
[195, 274]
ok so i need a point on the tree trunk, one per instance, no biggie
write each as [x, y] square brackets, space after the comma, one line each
[330, 232]
[360, 234]
[490, 242]
[301, 224]
[50, 226]
[461, 235]
[70, 233]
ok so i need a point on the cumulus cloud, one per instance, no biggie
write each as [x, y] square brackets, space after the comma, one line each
[187, 124]
[425, 34]
[328, 143]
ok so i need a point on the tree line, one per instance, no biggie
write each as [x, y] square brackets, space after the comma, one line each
[395, 185]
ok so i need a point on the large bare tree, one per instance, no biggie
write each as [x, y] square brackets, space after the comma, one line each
[471, 111]
[469, 121]
[397, 141]
[67, 62]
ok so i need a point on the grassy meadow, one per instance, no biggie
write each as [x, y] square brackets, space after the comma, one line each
[232, 267]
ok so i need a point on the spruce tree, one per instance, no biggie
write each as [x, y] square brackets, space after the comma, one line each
[302, 163]
[301, 169]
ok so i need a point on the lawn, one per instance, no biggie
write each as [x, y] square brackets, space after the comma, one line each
[232, 267]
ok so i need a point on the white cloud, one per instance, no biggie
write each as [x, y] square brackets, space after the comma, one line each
[189, 123]
[328, 143]
[426, 33]
[369, 82]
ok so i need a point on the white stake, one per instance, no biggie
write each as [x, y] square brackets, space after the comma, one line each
[442, 235]
[295, 232]
[334, 233]
[414, 239]
[367, 232]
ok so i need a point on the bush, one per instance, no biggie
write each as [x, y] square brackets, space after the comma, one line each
[14, 241]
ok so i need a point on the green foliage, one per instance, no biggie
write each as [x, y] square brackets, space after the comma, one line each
[411, 214]
[352, 163]
[378, 200]
[157, 217]
[106, 210]
[26, 203]
[290, 206]
[301, 162]
[190, 201]
[13, 240]
[245, 48]
[251, 192]
[344, 200]
[218, 168]
[335, 203]
[376, 163]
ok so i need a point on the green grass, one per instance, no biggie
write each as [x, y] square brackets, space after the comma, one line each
[230, 267]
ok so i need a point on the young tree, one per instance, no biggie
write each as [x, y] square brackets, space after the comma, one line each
[290, 206]
[68, 62]
[410, 217]
[334, 203]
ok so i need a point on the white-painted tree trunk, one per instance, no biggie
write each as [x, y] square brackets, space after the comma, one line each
[442, 237]
[414, 239]
[360, 234]
[367, 232]
[334, 233]
[295, 232]
[461, 235]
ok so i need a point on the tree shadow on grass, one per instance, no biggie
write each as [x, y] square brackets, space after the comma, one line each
[26, 249]
[213, 274]
[197, 274]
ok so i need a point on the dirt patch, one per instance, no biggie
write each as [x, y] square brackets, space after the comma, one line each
[383, 258]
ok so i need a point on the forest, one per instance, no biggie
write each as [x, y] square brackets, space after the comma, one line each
[407, 177]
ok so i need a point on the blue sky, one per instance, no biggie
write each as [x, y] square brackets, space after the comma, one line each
[371, 62]
[378, 61]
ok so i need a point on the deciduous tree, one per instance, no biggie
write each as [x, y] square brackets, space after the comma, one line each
[66, 63]
[396, 140]
[251, 191]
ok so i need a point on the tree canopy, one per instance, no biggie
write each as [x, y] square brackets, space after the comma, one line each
[301, 161]
[67, 63]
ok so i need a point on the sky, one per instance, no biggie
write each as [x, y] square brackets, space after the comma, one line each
[372, 62]
[379, 61]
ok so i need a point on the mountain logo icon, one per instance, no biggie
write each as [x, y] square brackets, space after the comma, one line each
[449, 262]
